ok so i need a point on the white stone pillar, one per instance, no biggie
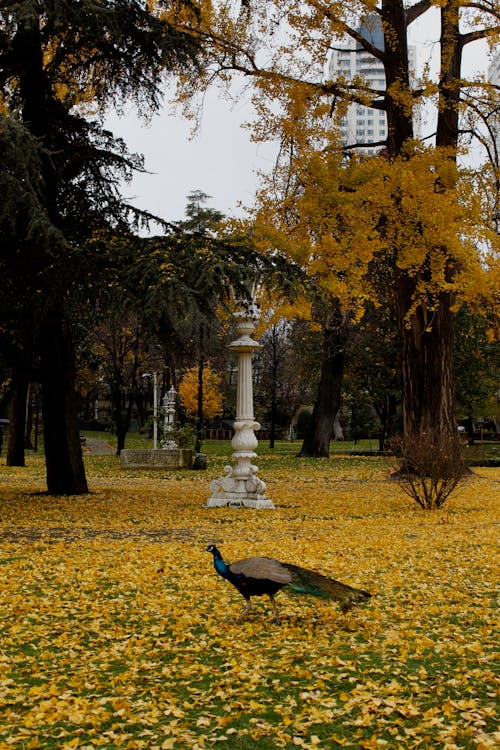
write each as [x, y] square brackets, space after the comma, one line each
[241, 486]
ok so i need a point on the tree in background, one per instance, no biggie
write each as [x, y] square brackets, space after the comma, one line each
[120, 347]
[372, 369]
[477, 368]
[187, 281]
[212, 393]
[22, 221]
[276, 388]
[58, 60]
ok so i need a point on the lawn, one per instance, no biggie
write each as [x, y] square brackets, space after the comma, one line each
[117, 632]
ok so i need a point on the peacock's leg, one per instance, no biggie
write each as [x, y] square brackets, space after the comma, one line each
[275, 608]
[246, 611]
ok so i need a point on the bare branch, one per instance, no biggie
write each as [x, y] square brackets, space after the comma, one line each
[352, 146]
[417, 10]
[344, 28]
[489, 8]
[477, 34]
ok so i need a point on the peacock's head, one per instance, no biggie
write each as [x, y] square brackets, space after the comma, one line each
[212, 548]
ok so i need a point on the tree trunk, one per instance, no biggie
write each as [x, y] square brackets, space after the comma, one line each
[320, 430]
[386, 412]
[398, 91]
[427, 338]
[427, 367]
[449, 80]
[29, 419]
[272, 434]
[199, 407]
[63, 453]
[120, 414]
[17, 421]
[121, 433]
[427, 343]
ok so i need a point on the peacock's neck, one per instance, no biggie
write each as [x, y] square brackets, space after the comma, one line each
[220, 566]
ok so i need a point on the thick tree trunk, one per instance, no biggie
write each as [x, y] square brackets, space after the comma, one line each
[63, 453]
[17, 421]
[426, 337]
[449, 81]
[121, 433]
[398, 91]
[29, 419]
[199, 407]
[427, 341]
[320, 430]
[428, 392]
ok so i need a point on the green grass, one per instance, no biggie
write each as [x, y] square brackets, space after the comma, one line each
[223, 447]
[489, 449]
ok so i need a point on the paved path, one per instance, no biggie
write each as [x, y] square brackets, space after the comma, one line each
[98, 447]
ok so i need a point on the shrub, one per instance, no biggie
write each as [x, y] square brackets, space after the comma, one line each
[431, 468]
[184, 436]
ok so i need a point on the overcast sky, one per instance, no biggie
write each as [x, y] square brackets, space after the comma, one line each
[220, 160]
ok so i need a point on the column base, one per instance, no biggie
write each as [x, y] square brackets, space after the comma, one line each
[238, 492]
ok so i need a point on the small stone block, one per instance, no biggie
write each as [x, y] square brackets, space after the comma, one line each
[162, 458]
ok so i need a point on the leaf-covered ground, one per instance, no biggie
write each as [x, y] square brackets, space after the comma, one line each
[116, 631]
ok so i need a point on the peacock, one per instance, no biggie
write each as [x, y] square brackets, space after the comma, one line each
[256, 576]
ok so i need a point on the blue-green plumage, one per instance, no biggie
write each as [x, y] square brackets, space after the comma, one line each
[256, 576]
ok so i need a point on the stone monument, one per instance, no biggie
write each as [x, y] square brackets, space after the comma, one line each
[169, 456]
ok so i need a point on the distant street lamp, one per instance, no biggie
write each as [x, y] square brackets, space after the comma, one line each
[154, 375]
[168, 407]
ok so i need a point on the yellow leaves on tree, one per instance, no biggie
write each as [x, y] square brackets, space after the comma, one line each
[409, 212]
[212, 393]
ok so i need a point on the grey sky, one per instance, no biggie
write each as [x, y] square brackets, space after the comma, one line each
[220, 159]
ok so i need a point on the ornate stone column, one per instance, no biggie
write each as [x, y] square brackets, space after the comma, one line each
[241, 485]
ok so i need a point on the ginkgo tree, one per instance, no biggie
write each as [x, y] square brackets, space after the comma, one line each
[359, 228]
[281, 49]
[212, 392]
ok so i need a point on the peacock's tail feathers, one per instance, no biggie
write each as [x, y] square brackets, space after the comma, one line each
[308, 582]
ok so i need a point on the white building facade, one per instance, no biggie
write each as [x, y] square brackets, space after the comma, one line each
[363, 124]
[494, 78]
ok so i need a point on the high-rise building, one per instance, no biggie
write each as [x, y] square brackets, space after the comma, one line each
[363, 124]
[494, 78]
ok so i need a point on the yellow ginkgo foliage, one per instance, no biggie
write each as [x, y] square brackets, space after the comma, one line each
[211, 391]
[403, 213]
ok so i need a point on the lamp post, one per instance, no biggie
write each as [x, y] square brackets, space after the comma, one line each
[155, 410]
[241, 485]
[154, 376]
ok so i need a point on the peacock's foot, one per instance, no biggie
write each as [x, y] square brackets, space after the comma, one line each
[244, 614]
